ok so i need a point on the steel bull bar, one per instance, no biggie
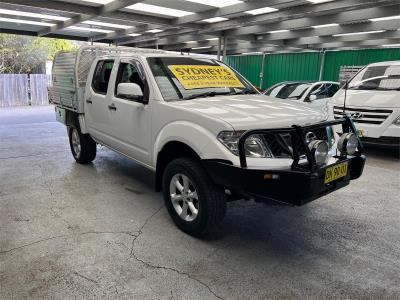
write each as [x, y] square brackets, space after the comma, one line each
[302, 183]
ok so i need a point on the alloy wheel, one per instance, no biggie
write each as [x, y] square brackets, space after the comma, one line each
[184, 197]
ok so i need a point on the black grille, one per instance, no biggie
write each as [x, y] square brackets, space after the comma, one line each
[363, 115]
[281, 144]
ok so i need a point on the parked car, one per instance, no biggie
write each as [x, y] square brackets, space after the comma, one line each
[373, 101]
[316, 93]
[203, 129]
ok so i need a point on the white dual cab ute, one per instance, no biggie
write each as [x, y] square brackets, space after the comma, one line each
[372, 99]
[204, 130]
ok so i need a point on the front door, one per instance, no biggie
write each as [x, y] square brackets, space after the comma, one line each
[130, 121]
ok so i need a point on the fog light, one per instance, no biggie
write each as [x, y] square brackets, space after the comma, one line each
[347, 144]
[268, 176]
[319, 149]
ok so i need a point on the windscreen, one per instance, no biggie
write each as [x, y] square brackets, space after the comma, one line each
[377, 78]
[183, 78]
[289, 90]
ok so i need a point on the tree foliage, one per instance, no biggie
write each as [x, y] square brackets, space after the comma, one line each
[24, 54]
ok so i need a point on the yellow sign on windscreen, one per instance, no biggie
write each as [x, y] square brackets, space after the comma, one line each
[199, 77]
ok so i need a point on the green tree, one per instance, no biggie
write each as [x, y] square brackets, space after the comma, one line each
[24, 54]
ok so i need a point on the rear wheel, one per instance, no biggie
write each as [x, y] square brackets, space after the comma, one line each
[194, 202]
[82, 146]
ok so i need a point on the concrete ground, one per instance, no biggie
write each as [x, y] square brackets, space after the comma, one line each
[100, 231]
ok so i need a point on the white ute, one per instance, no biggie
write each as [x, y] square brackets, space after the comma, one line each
[373, 101]
[204, 130]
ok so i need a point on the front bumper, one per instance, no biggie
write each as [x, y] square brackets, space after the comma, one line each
[295, 187]
[300, 184]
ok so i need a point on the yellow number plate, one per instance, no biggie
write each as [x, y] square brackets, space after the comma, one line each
[335, 172]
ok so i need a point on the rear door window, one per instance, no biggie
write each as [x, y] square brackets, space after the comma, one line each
[101, 76]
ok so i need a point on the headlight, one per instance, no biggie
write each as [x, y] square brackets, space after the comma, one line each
[255, 145]
[319, 149]
[397, 121]
[230, 140]
[347, 143]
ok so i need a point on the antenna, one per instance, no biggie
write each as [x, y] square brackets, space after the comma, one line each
[345, 96]
[346, 86]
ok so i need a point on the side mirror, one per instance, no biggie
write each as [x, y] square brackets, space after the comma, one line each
[312, 98]
[131, 91]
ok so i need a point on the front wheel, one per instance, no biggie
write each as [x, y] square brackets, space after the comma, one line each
[82, 146]
[194, 202]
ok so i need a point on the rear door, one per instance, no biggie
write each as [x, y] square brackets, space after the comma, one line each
[97, 101]
[131, 119]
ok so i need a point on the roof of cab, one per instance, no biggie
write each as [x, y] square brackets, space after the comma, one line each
[145, 55]
[117, 52]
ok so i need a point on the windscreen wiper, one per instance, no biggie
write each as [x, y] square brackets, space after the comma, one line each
[245, 91]
[364, 88]
[206, 94]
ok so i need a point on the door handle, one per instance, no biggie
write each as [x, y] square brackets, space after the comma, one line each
[112, 107]
[89, 101]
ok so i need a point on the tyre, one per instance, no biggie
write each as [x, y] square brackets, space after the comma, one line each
[194, 202]
[82, 146]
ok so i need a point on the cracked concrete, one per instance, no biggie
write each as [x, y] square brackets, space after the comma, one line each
[100, 231]
[150, 265]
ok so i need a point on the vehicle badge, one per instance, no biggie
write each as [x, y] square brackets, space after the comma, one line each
[357, 115]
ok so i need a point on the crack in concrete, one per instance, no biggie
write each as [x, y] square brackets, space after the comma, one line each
[84, 277]
[67, 236]
[153, 266]
[21, 219]
[33, 243]
[190, 276]
[143, 225]
[109, 232]
[22, 156]
[49, 186]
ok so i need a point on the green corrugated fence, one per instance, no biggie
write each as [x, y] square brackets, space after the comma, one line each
[305, 65]
[290, 66]
[247, 65]
[335, 59]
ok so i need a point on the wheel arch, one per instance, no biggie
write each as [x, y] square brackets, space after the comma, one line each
[71, 118]
[170, 151]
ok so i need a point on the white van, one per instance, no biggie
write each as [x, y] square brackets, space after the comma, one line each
[373, 101]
